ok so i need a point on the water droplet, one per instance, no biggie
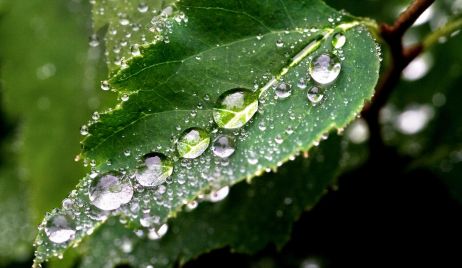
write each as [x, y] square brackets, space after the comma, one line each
[283, 90]
[143, 7]
[314, 95]
[94, 41]
[219, 195]
[84, 130]
[325, 68]
[156, 169]
[223, 146]
[235, 108]
[109, 191]
[95, 116]
[279, 43]
[124, 97]
[105, 85]
[135, 50]
[159, 233]
[339, 40]
[60, 228]
[192, 143]
[301, 83]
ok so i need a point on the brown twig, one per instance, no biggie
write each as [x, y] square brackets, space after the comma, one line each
[400, 58]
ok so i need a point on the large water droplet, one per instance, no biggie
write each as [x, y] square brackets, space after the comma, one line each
[192, 143]
[325, 68]
[156, 169]
[109, 191]
[223, 146]
[339, 40]
[314, 95]
[235, 108]
[283, 90]
[60, 228]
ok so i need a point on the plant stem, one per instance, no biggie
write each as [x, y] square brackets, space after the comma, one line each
[400, 58]
[445, 30]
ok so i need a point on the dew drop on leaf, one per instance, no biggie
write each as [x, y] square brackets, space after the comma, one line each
[159, 233]
[93, 40]
[339, 40]
[105, 85]
[325, 68]
[84, 130]
[109, 191]
[60, 228]
[314, 95]
[223, 146]
[156, 169]
[219, 195]
[192, 143]
[235, 108]
[283, 90]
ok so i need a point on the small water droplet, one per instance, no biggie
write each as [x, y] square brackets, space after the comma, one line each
[93, 40]
[223, 146]
[301, 83]
[95, 116]
[84, 130]
[325, 68]
[109, 191]
[219, 195]
[235, 108]
[143, 7]
[159, 233]
[124, 97]
[60, 228]
[283, 90]
[339, 40]
[105, 85]
[192, 143]
[135, 50]
[155, 171]
[314, 95]
[279, 43]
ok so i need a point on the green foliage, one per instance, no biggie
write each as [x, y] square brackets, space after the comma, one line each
[169, 63]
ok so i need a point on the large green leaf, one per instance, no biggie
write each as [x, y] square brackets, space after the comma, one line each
[208, 48]
[251, 217]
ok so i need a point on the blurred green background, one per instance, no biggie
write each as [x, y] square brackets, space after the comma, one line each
[50, 87]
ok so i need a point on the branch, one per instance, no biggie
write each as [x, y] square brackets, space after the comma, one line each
[400, 58]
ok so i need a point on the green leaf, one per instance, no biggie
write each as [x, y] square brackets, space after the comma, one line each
[246, 221]
[208, 48]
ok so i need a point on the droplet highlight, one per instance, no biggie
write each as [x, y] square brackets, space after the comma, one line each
[109, 191]
[235, 108]
[155, 170]
[325, 68]
[192, 143]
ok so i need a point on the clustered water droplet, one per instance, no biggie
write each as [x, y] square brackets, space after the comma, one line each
[155, 170]
[223, 146]
[283, 90]
[235, 108]
[192, 143]
[325, 68]
[109, 191]
[314, 95]
[60, 228]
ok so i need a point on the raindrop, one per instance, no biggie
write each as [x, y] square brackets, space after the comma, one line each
[235, 108]
[314, 95]
[60, 228]
[301, 83]
[325, 68]
[84, 130]
[223, 146]
[219, 195]
[95, 116]
[93, 40]
[105, 85]
[135, 50]
[109, 191]
[283, 90]
[124, 97]
[279, 43]
[159, 233]
[192, 143]
[143, 7]
[156, 169]
[339, 40]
